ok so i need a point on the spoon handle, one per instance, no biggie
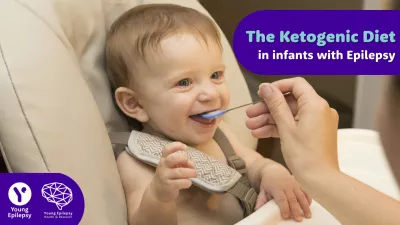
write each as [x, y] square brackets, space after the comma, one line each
[287, 93]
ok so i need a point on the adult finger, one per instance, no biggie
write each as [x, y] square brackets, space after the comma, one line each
[301, 90]
[294, 205]
[277, 106]
[281, 201]
[298, 86]
[260, 121]
[257, 109]
[266, 132]
[172, 147]
[261, 108]
[303, 201]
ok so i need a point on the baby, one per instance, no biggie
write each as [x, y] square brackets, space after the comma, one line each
[165, 65]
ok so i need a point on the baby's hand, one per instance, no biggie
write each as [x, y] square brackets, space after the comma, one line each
[173, 173]
[278, 184]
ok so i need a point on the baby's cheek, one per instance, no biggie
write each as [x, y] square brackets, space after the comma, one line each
[225, 97]
[182, 105]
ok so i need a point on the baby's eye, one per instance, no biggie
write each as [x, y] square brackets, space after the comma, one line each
[215, 75]
[184, 82]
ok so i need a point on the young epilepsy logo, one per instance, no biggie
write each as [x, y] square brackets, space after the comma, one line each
[19, 194]
[40, 198]
[57, 193]
[60, 195]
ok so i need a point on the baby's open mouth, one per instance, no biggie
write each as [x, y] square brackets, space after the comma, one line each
[202, 120]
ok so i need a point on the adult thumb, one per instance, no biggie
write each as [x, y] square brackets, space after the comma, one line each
[277, 105]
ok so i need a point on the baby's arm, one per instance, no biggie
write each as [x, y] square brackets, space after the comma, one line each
[271, 180]
[143, 208]
[152, 196]
[255, 162]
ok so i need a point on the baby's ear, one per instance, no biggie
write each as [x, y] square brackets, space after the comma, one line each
[128, 103]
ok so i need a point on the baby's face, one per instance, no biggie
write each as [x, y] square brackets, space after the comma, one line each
[187, 78]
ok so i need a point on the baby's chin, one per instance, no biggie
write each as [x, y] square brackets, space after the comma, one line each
[201, 138]
[194, 139]
[189, 134]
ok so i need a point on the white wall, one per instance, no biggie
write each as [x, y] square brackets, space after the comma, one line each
[368, 93]
[368, 90]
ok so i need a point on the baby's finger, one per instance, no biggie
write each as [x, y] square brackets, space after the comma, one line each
[309, 199]
[181, 173]
[180, 184]
[305, 206]
[261, 200]
[294, 206]
[269, 197]
[176, 159]
[281, 201]
[172, 147]
[266, 132]
[190, 164]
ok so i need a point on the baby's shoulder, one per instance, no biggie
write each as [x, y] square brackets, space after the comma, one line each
[134, 169]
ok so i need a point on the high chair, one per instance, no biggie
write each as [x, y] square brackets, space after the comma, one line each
[56, 108]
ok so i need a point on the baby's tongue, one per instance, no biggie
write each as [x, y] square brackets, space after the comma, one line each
[200, 119]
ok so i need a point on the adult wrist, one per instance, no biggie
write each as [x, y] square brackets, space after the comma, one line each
[308, 175]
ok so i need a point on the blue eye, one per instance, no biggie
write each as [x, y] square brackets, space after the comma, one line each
[215, 75]
[185, 82]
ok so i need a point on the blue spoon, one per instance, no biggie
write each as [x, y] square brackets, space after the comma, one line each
[218, 113]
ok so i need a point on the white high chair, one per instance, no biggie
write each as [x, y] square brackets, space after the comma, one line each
[360, 156]
[55, 102]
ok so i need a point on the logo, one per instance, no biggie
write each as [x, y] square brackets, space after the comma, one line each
[19, 194]
[57, 193]
[50, 198]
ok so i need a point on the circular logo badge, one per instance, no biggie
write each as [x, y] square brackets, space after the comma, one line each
[19, 194]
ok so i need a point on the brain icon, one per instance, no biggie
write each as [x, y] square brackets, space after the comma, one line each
[57, 193]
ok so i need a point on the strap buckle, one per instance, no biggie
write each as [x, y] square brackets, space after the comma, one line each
[249, 201]
[251, 196]
[246, 195]
[237, 163]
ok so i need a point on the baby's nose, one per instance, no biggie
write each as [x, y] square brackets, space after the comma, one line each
[209, 94]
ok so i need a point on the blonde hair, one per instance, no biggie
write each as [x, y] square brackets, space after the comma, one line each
[139, 32]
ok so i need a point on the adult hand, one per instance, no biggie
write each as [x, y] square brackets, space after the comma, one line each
[304, 122]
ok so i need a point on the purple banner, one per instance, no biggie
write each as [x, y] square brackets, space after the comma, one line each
[40, 198]
[327, 42]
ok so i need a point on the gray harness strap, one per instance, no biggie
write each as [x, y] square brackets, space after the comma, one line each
[242, 190]
[119, 140]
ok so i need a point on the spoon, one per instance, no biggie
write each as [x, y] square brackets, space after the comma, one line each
[218, 113]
